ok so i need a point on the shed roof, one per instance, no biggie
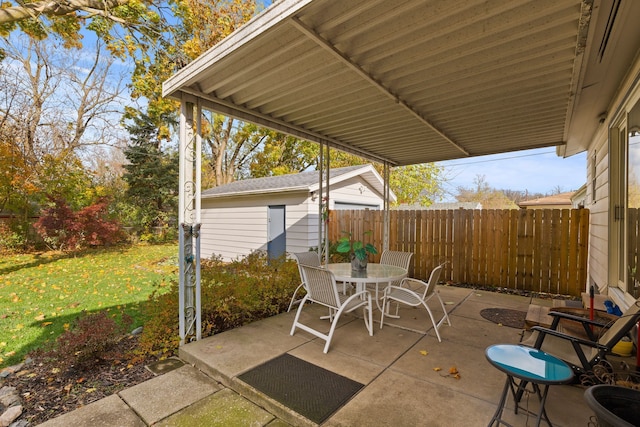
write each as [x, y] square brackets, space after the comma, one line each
[303, 181]
[414, 81]
[560, 199]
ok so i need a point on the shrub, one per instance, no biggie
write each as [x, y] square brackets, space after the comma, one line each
[90, 339]
[233, 294]
[10, 240]
[62, 228]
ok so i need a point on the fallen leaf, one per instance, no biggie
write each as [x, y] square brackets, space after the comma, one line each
[437, 369]
[424, 352]
[453, 370]
[47, 323]
[91, 390]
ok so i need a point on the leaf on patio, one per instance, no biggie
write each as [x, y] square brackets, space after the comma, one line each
[424, 352]
[437, 369]
[453, 370]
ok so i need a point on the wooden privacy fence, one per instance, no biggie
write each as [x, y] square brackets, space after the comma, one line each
[542, 250]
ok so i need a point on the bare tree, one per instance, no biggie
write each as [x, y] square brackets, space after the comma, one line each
[59, 102]
[55, 108]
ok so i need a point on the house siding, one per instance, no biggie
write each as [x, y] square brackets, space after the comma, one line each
[602, 271]
[598, 205]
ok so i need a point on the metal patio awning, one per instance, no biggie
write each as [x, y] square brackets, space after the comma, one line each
[409, 81]
[405, 82]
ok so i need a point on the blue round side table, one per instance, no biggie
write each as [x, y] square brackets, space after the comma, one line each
[525, 365]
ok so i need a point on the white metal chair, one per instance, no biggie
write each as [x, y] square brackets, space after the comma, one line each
[397, 259]
[415, 292]
[322, 289]
[307, 258]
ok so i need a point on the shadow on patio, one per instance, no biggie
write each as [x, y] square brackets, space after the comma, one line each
[402, 386]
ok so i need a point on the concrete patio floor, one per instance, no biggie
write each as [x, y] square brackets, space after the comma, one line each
[402, 384]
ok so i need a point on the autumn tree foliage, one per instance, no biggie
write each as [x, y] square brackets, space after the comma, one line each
[63, 228]
[483, 193]
[55, 109]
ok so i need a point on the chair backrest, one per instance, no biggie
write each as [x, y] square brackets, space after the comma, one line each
[434, 277]
[621, 326]
[307, 258]
[320, 285]
[422, 288]
[396, 258]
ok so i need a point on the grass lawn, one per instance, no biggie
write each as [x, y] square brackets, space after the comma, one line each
[42, 294]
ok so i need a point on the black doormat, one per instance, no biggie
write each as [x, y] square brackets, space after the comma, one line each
[310, 390]
[505, 316]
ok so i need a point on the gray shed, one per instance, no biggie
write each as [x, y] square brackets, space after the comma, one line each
[280, 213]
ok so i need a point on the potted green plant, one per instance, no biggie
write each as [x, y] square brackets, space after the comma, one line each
[357, 250]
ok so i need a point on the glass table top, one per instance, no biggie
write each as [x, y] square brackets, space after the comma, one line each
[529, 364]
[373, 273]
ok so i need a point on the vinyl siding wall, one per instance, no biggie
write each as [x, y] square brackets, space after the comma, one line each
[234, 226]
[598, 179]
[599, 170]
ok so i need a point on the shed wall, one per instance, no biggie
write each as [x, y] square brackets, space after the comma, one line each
[235, 226]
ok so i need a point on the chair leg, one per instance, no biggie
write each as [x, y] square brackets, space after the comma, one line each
[385, 307]
[435, 327]
[369, 308]
[444, 310]
[295, 320]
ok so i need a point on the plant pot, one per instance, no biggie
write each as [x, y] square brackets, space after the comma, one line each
[358, 264]
[615, 406]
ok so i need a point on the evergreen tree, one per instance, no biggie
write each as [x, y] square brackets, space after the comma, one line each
[151, 175]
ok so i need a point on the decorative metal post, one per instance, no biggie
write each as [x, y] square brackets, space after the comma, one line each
[189, 220]
[323, 202]
[386, 175]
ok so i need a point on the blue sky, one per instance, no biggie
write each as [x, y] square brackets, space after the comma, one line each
[538, 171]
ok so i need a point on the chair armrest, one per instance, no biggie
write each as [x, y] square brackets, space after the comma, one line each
[584, 320]
[410, 280]
[546, 331]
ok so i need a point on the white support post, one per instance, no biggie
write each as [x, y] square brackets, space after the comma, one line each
[325, 225]
[385, 178]
[189, 223]
[321, 248]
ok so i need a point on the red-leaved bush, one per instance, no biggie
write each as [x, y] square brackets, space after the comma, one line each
[62, 228]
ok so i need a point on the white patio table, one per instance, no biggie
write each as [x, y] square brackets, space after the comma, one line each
[375, 274]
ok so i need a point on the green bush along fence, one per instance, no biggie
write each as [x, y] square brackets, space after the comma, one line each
[541, 250]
